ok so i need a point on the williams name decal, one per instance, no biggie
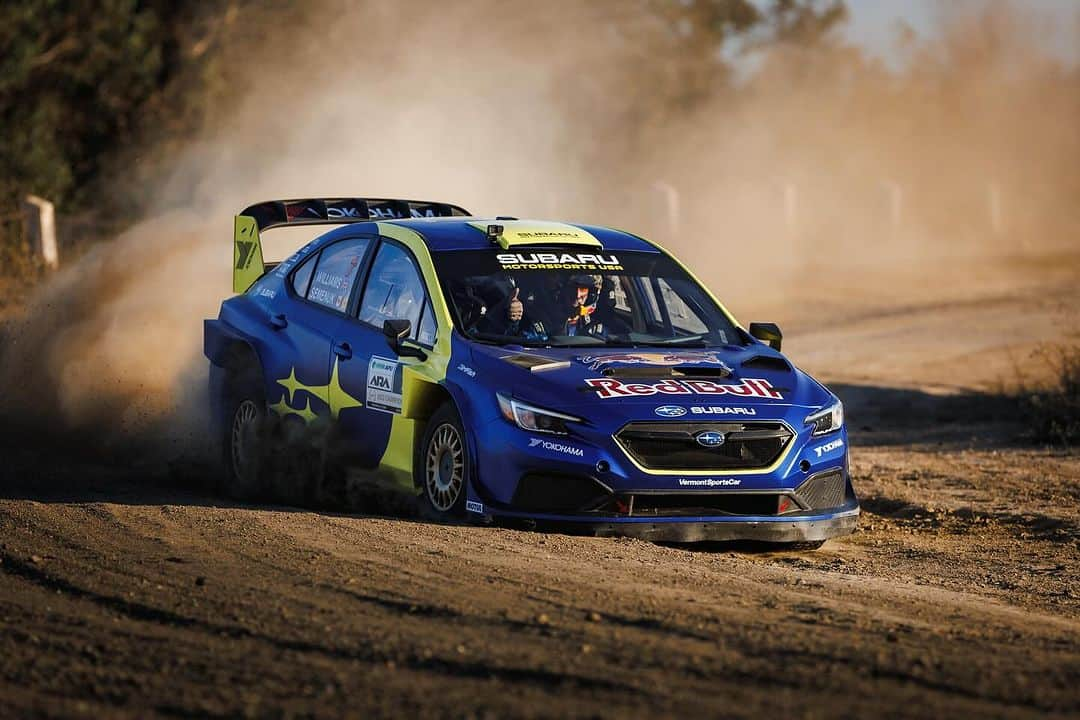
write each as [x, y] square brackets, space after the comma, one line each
[750, 387]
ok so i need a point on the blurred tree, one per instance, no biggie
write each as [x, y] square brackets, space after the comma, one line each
[697, 41]
[73, 76]
[676, 56]
[85, 86]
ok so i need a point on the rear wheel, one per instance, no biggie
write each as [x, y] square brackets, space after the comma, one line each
[242, 445]
[443, 468]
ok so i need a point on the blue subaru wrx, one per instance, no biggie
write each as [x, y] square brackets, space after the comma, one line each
[572, 376]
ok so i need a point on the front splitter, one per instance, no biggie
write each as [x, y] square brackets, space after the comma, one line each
[792, 530]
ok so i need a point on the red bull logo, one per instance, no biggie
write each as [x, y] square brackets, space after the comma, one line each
[596, 362]
[750, 387]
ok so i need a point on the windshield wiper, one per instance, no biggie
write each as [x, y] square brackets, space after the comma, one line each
[697, 343]
[496, 339]
[687, 341]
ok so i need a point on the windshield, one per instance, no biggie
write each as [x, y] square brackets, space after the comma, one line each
[569, 297]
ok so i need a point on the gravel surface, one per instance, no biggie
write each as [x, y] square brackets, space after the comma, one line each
[126, 593]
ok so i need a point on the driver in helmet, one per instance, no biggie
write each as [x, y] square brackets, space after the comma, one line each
[569, 314]
[577, 302]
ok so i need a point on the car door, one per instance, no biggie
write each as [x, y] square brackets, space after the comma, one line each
[394, 290]
[318, 295]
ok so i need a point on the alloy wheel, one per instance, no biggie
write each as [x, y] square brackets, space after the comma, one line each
[444, 469]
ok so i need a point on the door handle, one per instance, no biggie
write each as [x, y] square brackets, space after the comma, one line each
[278, 321]
[343, 350]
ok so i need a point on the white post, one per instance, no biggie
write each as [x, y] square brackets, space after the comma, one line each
[671, 196]
[41, 230]
[791, 207]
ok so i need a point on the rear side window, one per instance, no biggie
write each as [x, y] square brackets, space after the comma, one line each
[335, 273]
[394, 289]
[302, 276]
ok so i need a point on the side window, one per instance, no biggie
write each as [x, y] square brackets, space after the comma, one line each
[302, 276]
[682, 317]
[394, 289]
[428, 327]
[335, 272]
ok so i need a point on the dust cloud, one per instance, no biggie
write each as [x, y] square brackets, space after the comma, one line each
[809, 159]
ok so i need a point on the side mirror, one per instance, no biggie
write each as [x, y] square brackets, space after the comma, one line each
[767, 333]
[397, 335]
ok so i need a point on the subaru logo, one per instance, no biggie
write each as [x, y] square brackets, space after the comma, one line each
[710, 438]
[670, 411]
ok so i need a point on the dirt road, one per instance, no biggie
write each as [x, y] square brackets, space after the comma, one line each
[125, 593]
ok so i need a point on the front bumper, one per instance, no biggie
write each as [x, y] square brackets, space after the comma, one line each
[584, 484]
[802, 528]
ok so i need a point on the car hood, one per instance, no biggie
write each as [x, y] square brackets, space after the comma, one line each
[568, 378]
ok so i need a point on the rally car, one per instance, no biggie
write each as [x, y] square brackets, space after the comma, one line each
[512, 370]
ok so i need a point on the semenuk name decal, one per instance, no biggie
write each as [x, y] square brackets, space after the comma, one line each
[749, 387]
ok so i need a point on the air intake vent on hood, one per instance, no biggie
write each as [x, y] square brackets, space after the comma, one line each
[765, 362]
[535, 363]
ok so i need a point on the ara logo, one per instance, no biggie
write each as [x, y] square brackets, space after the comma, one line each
[670, 411]
[384, 385]
[710, 438]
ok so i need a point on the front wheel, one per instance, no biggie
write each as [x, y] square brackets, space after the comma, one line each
[442, 469]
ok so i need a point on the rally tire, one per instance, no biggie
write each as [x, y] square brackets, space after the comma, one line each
[442, 467]
[244, 431]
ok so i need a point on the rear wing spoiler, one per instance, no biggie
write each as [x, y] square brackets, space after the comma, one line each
[248, 264]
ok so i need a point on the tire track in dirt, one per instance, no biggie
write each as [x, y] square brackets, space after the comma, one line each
[127, 595]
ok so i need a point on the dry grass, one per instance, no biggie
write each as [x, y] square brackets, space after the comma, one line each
[1054, 409]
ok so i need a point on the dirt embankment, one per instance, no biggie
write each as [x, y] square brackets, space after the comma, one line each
[126, 593]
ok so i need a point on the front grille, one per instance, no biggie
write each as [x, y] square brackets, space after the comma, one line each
[555, 492]
[823, 491]
[673, 445]
[662, 505]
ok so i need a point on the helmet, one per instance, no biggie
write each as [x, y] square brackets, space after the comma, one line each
[579, 281]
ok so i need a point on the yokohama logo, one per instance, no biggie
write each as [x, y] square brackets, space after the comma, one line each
[750, 387]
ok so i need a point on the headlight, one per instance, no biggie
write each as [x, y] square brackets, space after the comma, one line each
[532, 418]
[828, 420]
